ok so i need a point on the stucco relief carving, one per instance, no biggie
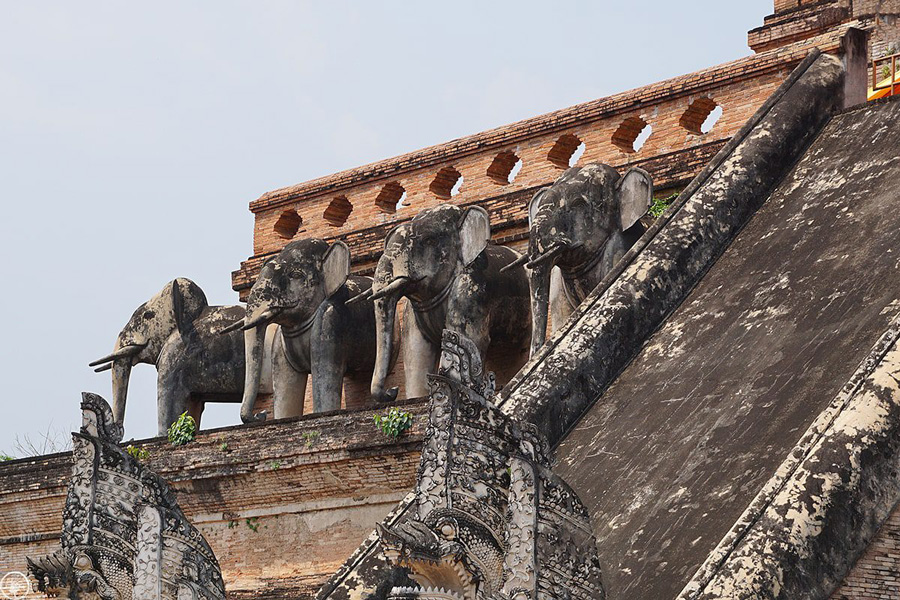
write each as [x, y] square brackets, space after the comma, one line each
[491, 522]
[119, 522]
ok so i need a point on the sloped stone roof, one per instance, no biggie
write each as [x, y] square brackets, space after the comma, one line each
[674, 451]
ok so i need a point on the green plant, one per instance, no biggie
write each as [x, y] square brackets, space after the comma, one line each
[232, 524]
[275, 465]
[394, 423]
[183, 430]
[660, 205]
[138, 453]
[311, 437]
[885, 71]
[223, 445]
[5, 457]
[252, 523]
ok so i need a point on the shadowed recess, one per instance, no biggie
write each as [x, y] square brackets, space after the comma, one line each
[288, 224]
[445, 182]
[338, 211]
[562, 151]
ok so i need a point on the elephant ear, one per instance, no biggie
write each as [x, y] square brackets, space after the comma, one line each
[188, 302]
[535, 204]
[635, 191]
[336, 267]
[474, 233]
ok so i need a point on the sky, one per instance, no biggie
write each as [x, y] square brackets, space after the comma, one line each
[134, 135]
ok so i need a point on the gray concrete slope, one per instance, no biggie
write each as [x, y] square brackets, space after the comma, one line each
[676, 448]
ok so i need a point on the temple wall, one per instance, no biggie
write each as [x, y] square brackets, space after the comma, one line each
[282, 503]
[673, 154]
[876, 574]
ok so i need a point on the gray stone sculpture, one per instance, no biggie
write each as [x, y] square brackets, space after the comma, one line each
[442, 262]
[304, 289]
[124, 535]
[582, 224]
[178, 332]
[491, 521]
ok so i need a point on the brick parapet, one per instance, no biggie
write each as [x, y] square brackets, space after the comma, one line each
[672, 154]
[261, 494]
[797, 21]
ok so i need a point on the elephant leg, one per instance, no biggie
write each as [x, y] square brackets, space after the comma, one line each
[195, 409]
[174, 399]
[327, 355]
[288, 384]
[419, 356]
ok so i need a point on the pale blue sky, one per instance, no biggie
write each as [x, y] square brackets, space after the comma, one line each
[132, 138]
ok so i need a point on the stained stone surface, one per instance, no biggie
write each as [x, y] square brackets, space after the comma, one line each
[672, 453]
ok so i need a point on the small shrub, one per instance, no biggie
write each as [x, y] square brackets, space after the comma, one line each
[183, 430]
[252, 523]
[139, 454]
[223, 445]
[660, 205]
[275, 465]
[311, 437]
[395, 423]
[5, 457]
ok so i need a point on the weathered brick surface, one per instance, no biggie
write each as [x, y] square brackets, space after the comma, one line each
[876, 575]
[284, 502]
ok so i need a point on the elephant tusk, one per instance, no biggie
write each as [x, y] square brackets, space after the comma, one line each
[360, 296]
[102, 368]
[391, 288]
[233, 327]
[551, 253]
[123, 352]
[516, 263]
[265, 316]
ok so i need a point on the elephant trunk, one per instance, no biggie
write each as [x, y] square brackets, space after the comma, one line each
[385, 314]
[539, 281]
[254, 339]
[121, 373]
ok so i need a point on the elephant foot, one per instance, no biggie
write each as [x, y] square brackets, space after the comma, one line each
[387, 396]
[260, 416]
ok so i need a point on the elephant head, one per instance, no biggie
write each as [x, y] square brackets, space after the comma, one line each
[421, 260]
[289, 290]
[578, 222]
[174, 308]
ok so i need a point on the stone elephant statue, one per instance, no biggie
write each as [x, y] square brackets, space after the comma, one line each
[304, 289]
[442, 263]
[178, 331]
[579, 229]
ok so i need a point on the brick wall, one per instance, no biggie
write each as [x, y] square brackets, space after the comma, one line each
[876, 575]
[673, 154]
[312, 489]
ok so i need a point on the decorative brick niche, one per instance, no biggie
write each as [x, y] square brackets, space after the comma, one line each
[390, 198]
[504, 168]
[288, 224]
[631, 134]
[565, 152]
[446, 183]
[338, 211]
[699, 118]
